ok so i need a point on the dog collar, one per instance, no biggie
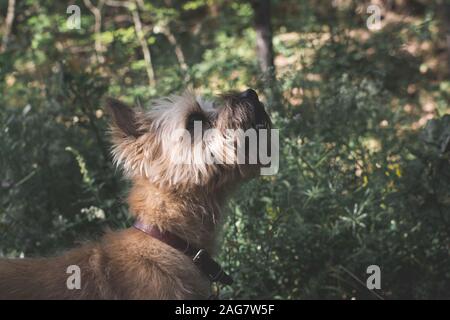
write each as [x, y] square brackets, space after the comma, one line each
[200, 257]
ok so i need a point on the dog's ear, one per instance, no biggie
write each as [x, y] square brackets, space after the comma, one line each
[123, 117]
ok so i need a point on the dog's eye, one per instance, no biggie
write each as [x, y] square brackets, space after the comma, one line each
[196, 117]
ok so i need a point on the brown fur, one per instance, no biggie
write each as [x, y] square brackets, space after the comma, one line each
[129, 264]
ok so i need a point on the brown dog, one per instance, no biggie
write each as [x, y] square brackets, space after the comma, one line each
[176, 198]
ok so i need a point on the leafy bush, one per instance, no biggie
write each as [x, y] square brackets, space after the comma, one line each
[362, 179]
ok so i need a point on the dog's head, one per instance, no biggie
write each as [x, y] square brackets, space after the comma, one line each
[185, 141]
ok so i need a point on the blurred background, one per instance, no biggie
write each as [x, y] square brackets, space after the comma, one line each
[359, 90]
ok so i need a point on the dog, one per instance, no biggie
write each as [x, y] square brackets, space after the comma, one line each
[176, 200]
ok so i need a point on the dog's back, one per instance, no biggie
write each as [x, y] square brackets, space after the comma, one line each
[123, 265]
[45, 278]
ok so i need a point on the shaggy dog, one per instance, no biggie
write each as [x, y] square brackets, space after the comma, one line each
[176, 198]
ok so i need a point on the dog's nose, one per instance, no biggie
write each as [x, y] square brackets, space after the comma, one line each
[249, 94]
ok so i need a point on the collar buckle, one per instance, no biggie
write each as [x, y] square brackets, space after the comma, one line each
[211, 268]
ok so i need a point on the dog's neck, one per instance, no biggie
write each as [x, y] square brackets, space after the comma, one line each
[192, 215]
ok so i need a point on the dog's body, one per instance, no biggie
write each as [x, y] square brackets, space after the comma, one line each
[127, 264]
[124, 265]
[182, 199]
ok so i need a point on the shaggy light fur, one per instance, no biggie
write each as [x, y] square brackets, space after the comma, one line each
[182, 198]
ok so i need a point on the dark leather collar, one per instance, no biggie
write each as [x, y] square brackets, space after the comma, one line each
[200, 257]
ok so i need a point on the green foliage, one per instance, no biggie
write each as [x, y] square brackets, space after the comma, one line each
[362, 179]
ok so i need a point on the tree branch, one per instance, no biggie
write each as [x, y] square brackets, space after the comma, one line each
[8, 25]
[178, 50]
[145, 49]
[96, 11]
[133, 7]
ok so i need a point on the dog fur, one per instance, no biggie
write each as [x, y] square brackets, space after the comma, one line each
[183, 199]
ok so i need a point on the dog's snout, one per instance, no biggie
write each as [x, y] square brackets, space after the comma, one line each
[249, 94]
